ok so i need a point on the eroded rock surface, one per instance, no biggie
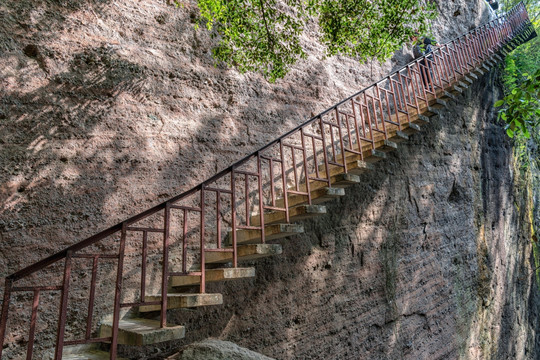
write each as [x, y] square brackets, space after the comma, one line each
[110, 107]
[213, 349]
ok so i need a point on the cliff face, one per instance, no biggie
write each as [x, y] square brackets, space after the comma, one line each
[110, 107]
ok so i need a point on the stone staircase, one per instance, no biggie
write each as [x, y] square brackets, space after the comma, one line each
[266, 194]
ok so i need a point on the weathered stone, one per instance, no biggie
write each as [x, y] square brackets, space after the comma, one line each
[213, 275]
[141, 332]
[181, 301]
[213, 349]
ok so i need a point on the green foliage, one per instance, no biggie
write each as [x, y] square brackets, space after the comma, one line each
[521, 107]
[521, 77]
[264, 35]
[256, 35]
[370, 30]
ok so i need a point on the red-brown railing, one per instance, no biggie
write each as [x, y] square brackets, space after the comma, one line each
[192, 223]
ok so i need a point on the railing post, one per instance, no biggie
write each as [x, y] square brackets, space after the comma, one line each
[33, 319]
[202, 244]
[4, 316]
[233, 217]
[165, 268]
[261, 202]
[284, 181]
[325, 155]
[63, 308]
[118, 293]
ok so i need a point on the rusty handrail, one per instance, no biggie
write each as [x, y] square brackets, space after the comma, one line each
[370, 113]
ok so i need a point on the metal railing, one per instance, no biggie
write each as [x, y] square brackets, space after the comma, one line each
[200, 220]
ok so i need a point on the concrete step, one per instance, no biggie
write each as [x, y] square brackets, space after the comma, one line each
[345, 180]
[325, 194]
[213, 275]
[468, 80]
[358, 167]
[412, 129]
[423, 119]
[271, 232]
[376, 155]
[319, 195]
[431, 111]
[297, 213]
[182, 301]
[463, 85]
[440, 104]
[245, 252]
[479, 71]
[141, 332]
[449, 95]
[400, 137]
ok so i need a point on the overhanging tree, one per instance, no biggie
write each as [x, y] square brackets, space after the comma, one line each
[265, 35]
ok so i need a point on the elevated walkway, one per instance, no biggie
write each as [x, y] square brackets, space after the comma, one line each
[204, 234]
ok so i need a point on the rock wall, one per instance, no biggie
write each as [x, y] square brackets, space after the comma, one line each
[110, 107]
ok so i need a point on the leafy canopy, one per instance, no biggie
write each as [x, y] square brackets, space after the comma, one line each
[521, 76]
[521, 110]
[265, 35]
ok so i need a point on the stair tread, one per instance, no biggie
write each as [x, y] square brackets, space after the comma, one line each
[295, 213]
[179, 301]
[213, 275]
[140, 332]
[271, 232]
[245, 252]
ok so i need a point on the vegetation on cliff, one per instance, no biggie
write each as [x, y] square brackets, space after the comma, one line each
[265, 35]
[520, 108]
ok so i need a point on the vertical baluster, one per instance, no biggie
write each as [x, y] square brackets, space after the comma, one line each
[284, 180]
[404, 97]
[315, 159]
[33, 320]
[306, 171]
[410, 70]
[202, 288]
[459, 56]
[437, 70]
[451, 60]
[63, 310]
[474, 55]
[295, 175]
[272, 194]
[92, 297]
[356, 129]
[340, 133]
[118, 292]
[370, 124]
[395, 88]
[184, 241]
[326, 166]
[387, 99]
[381, 111]
[233, 218]
[424, 75]
[5, 310]
[332, 141]
[246, 196]
[144, 257]
[261, 205]
[165, 265]
[218, 218]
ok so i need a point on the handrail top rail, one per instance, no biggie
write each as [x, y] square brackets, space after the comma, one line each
[118, 227]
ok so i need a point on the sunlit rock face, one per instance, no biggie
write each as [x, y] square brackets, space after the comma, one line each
[110, 107]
